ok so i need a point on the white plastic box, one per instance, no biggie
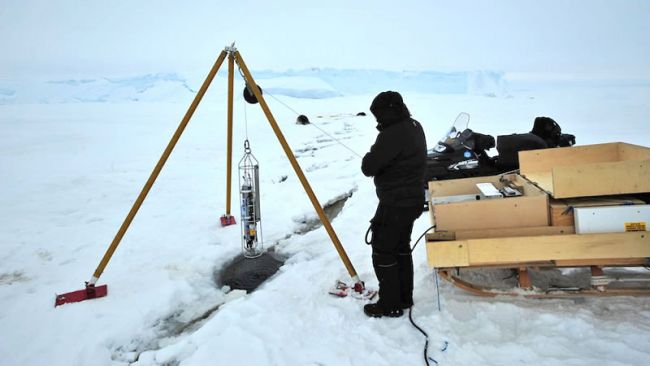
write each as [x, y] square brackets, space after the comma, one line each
[611, 219]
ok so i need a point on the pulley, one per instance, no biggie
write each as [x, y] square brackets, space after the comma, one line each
[249, 96]
[249, 193]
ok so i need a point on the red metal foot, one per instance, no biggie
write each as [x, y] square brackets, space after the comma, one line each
[357, 290]
[90, 292]
[360, 287]
[227, 220]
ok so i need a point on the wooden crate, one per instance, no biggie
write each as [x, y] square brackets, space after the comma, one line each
[500, 233]
[590, 170]
[529, 210]
[562, 250]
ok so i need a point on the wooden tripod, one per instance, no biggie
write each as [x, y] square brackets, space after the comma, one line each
[233, 56]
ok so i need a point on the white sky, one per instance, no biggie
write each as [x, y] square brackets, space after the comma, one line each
[121, 36]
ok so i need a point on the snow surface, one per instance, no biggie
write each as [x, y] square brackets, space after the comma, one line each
[71, 170]
[91, 92]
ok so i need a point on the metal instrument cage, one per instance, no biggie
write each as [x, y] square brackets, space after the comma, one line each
[249, 192]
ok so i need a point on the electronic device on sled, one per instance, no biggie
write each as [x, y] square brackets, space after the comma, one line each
[462, 153]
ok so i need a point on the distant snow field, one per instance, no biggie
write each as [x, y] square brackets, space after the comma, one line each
[76, 151]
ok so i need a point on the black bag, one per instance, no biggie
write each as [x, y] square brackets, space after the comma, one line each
[509, 147]
[551, 132]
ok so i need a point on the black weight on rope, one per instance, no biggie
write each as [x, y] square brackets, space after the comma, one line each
[302, 120]
[249, 96]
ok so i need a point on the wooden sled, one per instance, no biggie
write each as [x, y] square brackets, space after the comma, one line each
[602, 256]
[538, 233]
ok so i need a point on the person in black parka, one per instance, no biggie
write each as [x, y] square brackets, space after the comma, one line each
[397, 161]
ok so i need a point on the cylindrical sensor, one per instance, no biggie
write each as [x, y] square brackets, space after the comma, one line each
[249, 192]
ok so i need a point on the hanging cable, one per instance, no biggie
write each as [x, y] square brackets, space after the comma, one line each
[421, 236]
[294, 111]
[426, 336]
[435, 271]
[283, 103]
[315, 126]
[366, 236]
[245, 122]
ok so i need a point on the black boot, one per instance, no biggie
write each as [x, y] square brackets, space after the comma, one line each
[405, 264]
[389, 303]
[377, 311]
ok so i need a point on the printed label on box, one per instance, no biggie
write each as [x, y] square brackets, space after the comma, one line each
[636, 226]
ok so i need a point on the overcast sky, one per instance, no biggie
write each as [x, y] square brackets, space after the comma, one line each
[130, 36]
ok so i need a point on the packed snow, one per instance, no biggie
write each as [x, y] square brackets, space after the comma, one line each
[72, 171]
[91, 93]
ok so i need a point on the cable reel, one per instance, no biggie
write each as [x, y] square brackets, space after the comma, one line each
[249, 96]
[249, 193]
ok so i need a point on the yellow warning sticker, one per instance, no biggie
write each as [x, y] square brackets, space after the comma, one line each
[636, 226]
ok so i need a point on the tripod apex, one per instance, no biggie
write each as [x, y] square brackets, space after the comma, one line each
[231, 48]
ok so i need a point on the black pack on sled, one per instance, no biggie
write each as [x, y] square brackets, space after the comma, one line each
[462, 153]
[509, 146]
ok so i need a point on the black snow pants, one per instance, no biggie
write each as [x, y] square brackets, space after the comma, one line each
[391, 254]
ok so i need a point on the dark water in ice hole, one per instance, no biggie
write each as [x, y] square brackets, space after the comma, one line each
[249, 273]
[240, 273]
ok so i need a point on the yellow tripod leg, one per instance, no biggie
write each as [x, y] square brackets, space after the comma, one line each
[298, 170]
[231, 75]
[156, 171]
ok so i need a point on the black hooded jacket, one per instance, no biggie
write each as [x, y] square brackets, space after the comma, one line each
[397, 159]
